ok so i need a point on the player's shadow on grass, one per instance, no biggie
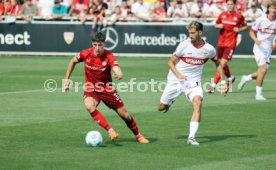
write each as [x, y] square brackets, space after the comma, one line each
[124, 141]
[207, 139]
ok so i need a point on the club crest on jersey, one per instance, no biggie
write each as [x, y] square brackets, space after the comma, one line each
[104, 63]
[68, 37]
[223, 16]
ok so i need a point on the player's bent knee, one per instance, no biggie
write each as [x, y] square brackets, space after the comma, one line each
[197, 100]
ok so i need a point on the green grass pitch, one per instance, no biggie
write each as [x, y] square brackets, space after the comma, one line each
[42, 130]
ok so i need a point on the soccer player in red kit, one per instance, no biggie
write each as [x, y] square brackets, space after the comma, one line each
[98, 63]
[230, 24]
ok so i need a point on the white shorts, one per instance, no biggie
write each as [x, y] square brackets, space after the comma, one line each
[175, 88]
[262, 56]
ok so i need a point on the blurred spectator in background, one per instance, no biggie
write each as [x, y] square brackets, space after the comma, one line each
[264, 5]
[240, 6]
[28, 10]
[158, 11]
[141, 10]
[116, 15]
[67, 4]
[14, 9]
[79, 8]
[188, 5]
[2, 9]
[254, 12]
[35, 2]
[112, 4]
[216, 8]
[99, 9]
[200, 10]
[172, 8]
[124, 8]
[180, 11]
[45, 8]
[59, 10]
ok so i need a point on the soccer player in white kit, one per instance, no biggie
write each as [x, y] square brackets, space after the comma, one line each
[264, 44]
[186, 65]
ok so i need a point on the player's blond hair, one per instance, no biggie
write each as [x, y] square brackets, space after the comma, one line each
[196, 25]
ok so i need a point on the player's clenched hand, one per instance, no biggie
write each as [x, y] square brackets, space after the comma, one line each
[223, 87]
[117, 76]
[236, 29]
[220, 26]
[66, 85]
[181, 77]
[258, 42]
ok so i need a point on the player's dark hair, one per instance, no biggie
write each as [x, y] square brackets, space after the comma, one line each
[272, 3]
[196, 25]
[232, 0]
[98, 37]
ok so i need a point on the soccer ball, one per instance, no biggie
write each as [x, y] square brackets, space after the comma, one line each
[93, 138]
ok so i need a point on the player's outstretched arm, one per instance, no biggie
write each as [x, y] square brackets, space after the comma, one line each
[117, 73]
[69, 71]
[171, 64]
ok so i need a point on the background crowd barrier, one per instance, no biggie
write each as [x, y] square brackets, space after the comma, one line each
[124, 39]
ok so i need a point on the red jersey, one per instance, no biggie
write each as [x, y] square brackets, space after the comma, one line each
[14, 10]
[97, 68]
[227, 35]
[2, 8]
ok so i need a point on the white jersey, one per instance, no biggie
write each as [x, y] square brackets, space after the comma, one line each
[191, 60]
[266, 31]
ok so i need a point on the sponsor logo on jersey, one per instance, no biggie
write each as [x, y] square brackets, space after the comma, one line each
[267, 30]
[228, 22]
[95, 68]
[194, 61]
[68, 37]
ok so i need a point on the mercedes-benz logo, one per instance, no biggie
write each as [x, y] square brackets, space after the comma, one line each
[112, 38]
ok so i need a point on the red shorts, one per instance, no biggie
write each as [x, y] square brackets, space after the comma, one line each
[225, 52]
[110, 99]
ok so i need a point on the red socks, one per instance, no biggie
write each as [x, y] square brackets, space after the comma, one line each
[226, 71]
[131, 124]
[100, 119]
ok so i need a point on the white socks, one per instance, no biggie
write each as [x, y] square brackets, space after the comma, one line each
[193, 129]
[213, 85]
[258, 90]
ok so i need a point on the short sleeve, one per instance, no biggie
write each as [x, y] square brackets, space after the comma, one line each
[112, 60]
[256, 25]
[180, 48]
[82, 55]
[242, 21]
[212, 52]
[218, 21]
